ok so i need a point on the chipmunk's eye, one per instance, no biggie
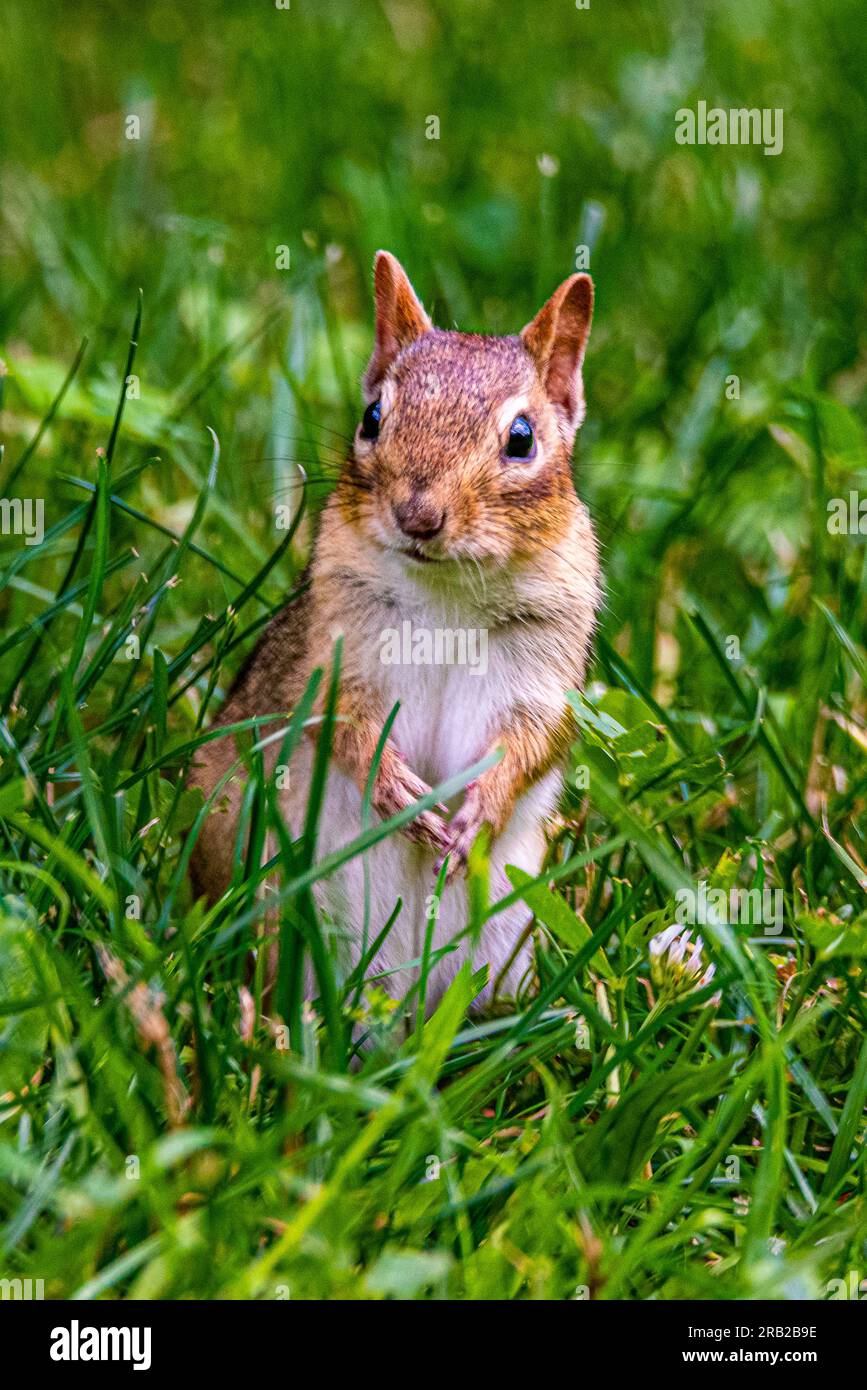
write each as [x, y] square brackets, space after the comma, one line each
[370, 421]
[521, 443]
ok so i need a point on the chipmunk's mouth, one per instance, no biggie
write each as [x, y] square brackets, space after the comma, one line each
[413, 553]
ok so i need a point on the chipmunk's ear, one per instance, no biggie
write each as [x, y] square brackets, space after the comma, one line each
[556, 339]
[400, 318]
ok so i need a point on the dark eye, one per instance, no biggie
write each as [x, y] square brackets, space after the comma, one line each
[521, 443]
[370, 421]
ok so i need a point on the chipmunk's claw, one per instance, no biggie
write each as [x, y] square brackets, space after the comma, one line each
[463, 830]
[428, 829]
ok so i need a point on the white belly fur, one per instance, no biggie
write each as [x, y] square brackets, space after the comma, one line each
[440, 729]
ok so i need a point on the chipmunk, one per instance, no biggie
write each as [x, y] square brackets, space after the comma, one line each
[455, 512]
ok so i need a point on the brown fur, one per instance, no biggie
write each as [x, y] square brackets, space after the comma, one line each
[439, 452]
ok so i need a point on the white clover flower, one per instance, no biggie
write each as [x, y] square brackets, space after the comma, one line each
[677, 964]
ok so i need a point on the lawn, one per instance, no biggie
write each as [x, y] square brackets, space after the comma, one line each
[190, 201]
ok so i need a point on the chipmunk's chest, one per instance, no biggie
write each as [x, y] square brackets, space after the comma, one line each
[446, 717]
[453, 676]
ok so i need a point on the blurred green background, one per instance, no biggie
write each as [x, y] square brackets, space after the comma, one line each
[307, 127]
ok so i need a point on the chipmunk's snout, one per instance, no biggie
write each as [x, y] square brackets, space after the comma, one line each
[421, 518]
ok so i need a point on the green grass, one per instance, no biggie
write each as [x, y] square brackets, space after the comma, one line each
[160, 1136]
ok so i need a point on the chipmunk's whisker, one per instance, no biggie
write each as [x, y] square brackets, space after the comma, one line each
[301, 422]
[295, 485]
[308, 440]
[483, 583]
[503, 505]
[308, 467]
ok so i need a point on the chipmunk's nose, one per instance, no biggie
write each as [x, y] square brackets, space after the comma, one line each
[420, 518]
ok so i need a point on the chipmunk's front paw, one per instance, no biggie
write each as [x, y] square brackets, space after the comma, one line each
[401, 788]
[462, 831]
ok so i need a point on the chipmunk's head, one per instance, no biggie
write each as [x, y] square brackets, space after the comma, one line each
[463, 451]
